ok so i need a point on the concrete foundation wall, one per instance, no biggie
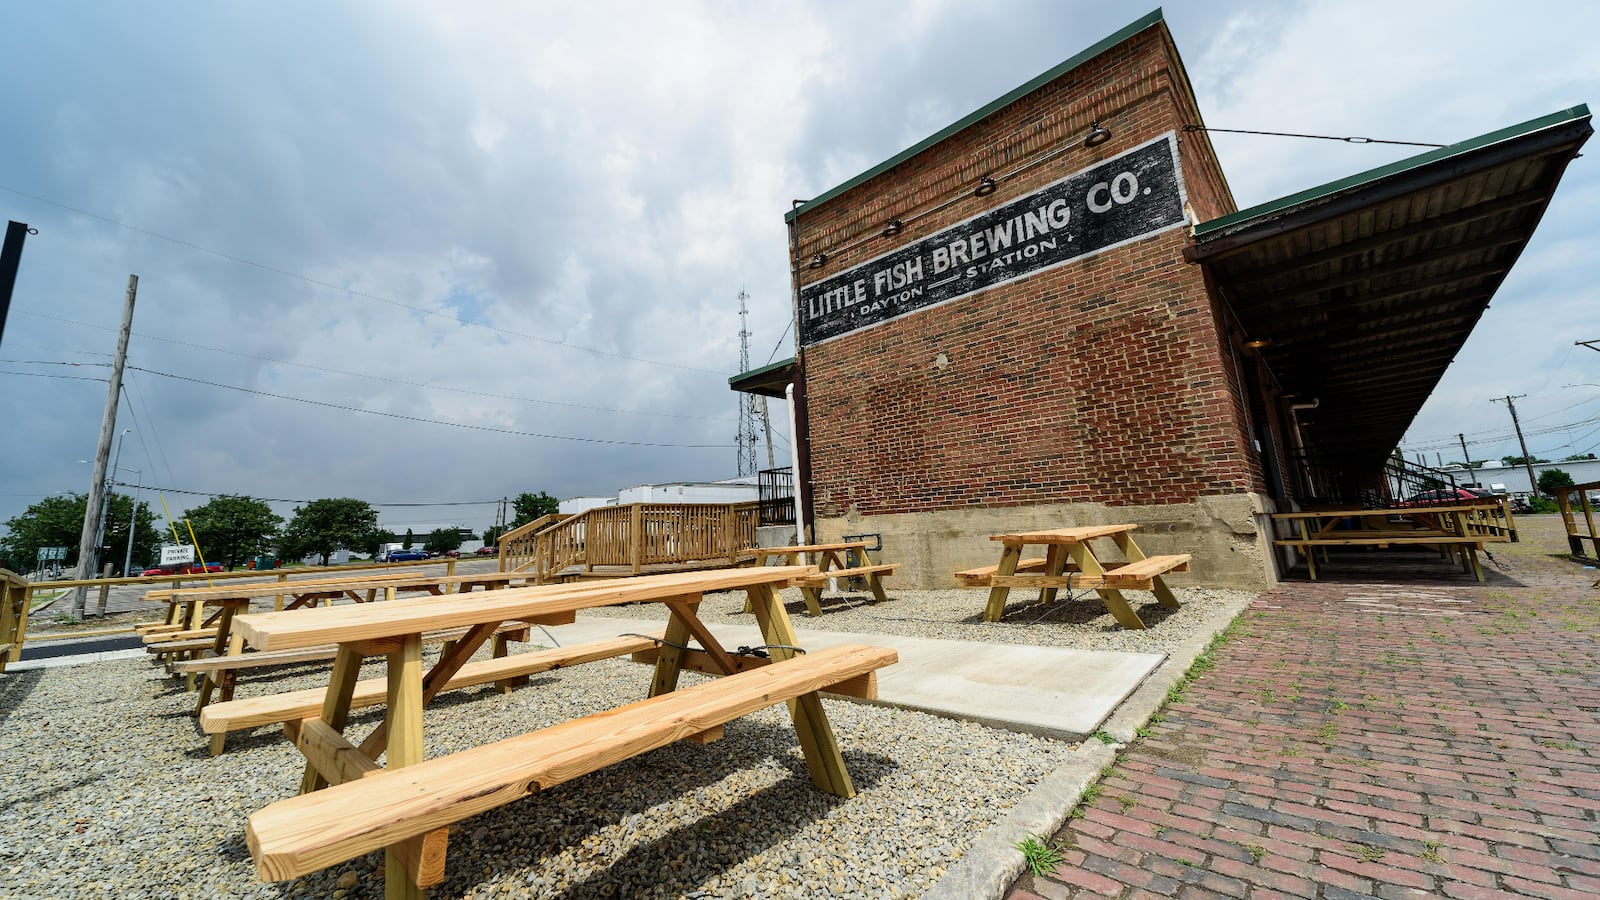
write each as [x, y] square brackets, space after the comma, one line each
[1228, 536]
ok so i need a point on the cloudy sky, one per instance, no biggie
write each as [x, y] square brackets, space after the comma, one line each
[498, 247]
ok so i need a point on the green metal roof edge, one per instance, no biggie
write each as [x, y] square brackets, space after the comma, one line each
[764, 369]
[1079, 59]
[1361, 179]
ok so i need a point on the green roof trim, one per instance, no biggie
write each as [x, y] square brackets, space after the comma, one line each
[1362, 179]
[1102, 46]
[762, 371]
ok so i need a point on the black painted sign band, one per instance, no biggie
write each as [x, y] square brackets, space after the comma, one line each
[1122, 199]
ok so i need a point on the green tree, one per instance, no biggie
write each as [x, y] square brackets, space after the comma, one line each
[1520, 460]
[410, 539]
[531, 506]
[443, 540]
[1577, 457]
[1553, 480]
[232, 528]
[57, 521]
[492, 534]
[323, 526]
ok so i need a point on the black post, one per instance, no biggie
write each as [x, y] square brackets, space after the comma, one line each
[10, 259]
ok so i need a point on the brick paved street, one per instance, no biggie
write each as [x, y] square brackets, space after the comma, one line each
[1377, 735]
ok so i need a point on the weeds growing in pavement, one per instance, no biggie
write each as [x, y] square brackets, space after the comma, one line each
[1042, 856]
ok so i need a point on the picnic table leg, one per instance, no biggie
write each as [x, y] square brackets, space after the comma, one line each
[335, 707]
[817, 742]
[998, 593]
[1055, 562]
[1309, 550]
[813, 595]
[226, 679]
[1158, 586]
[1113, 599]
[413, 864]
[670, 661]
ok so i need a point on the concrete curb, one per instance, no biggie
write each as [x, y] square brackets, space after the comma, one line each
[81, 659]
[994, 862]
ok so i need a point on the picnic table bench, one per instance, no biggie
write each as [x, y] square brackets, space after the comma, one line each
[196, 636]
[1456, 531]
[349, 805]
[855, 563]
[1084, 570]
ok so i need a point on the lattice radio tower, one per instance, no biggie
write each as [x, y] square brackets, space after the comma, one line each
[745, 440]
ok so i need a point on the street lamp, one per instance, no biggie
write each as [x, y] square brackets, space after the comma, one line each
[133, 521]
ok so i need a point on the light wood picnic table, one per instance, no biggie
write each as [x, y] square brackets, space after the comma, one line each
[1458, 531]
[395, 630]
[1086, 569]
[853, 563]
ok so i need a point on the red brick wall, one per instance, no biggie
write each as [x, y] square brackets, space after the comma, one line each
[1101, 380]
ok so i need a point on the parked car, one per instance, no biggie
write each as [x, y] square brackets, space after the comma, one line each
[1445, 496]
[411, 555]
[184, 569]
[487, 551]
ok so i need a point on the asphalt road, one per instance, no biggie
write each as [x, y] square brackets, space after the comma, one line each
[33, 650]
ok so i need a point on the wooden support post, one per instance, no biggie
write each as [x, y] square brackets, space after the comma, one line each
[635, 538]
[335, 706]
[1132, 553]
[817, 742]
[1055, 562]
[1113, 599]
[670, 662]
[277, 601]
[411, 865]
[998, 593]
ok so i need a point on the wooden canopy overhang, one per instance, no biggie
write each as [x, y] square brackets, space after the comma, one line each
[767, 381]
[1363, 290]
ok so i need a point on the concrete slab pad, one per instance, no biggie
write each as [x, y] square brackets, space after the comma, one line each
[1055, 692]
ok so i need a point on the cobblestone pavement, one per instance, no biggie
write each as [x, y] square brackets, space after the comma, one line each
[1399, 731]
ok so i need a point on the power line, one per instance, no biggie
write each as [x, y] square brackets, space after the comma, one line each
[1320, 137]
[351, 291]
[171, 490]
[155, 432]
[48, 375]
[374, 412]
[382, 378]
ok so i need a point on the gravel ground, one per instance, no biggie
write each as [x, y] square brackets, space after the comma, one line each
[108, 790]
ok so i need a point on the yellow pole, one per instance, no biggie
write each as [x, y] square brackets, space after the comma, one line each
[198, 552]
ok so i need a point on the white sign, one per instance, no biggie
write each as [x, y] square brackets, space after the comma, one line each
[173, 554]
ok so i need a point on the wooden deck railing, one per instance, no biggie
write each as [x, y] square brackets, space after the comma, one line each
[1573, 502]
[14, 595]
[631, 536]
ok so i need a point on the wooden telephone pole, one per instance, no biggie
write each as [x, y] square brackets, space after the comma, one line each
[88, 553]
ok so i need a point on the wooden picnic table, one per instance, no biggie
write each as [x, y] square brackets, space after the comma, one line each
[199, 635]
[855, 563]
[1457, 531]
[407, 812]
[1085, 570]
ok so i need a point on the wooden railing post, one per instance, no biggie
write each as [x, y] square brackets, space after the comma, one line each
[636, 537]
[730, 533]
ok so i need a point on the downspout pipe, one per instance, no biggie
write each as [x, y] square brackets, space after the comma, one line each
[794, 461]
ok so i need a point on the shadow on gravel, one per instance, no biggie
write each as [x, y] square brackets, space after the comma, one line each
[36, 796]
[15, 688]
[532, 835]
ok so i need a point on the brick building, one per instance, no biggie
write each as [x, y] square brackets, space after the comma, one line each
[1050, 313]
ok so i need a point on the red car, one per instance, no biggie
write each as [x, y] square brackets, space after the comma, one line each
[487, 551]
[1449, 496]
[184, 569]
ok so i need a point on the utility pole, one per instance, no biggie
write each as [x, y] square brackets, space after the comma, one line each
[10, 259]
[1466, 459]
[1527, 459]
[88, 553]
[745, 439]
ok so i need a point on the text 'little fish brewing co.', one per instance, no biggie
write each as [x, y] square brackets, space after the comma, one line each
[1131, 196]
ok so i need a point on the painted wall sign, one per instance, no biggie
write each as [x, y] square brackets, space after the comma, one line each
[1128, 197]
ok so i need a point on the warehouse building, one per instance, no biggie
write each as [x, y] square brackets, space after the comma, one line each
[1051, 313]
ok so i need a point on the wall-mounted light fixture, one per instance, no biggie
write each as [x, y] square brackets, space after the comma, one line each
[986, 186]
[818, 261]
[1097, 136]
[893, 227]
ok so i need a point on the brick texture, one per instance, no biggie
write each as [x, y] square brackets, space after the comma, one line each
[1105, 380]
[1380, 735]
